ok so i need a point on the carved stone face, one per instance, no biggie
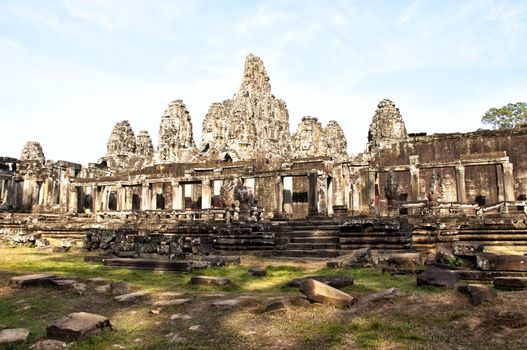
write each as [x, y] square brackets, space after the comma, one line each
[305, 144]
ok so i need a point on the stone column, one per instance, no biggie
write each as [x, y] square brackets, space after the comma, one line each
[176, 195]
[121, 197]
[73, 199]
[95, 199]
[128, 194]
[323, 206]
[312, 193]
[460, 184]
[145, 196]
[338, 193]
[414, 177]
[508, 182]
[279, 196]
[371, 192]
[205, 194]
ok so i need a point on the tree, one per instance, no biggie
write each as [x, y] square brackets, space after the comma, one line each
[506, 117]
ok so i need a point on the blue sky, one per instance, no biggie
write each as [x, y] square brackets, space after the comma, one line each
[69, 70]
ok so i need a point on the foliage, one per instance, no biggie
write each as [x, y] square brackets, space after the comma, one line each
[509, 116]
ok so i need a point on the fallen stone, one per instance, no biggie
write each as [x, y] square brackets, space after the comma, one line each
[171, 302]
[385, 294]
[276, 306]
[180, 317]
[103, 289]
[119, 287]
[80, 287]
[437, 277]
[359, 257]
[130, 297]
[62, 282]
[61, 249]
[509, 319]
[174, 337]
[468, 249]
[477, 293]
[155, 311]
[257, 271]
[31, 280]
[490, 261]
[222, 260]
[209, 280]
[322, 293]
[49, 344]
[228, 304]
[333, 281]
[77, 325]
[511, 283]
[196, 328]
[171, 295]
[199, 264]
[13, 335]
[99, 280]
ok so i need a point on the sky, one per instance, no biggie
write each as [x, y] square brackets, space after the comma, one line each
[71, 69]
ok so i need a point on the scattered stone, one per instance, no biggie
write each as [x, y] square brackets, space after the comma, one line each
[118, 346]
[49, 344]
[31, 280]
[322, 293]
[467, 249]
[171, 302]
[511, 283]
[171, 295]
[98, 280]
[180, 317]
[209, 280]
[276, 306]
[223, 260]
[385, 294]
[13, 335]
[509, 319]
[257, 271]
[437, 277]
[130, 297]
[196, 328]
[478, 293]
[359, 257]
[80, 287]
[333, 281]
[174, 337]
[77, 325]
[62, 282]
[493, 262]
[155, 311]
[23, 308]
[199, 264]
[103, 289]
[138, 340]
[228, 304]
[120, 287]
[61, 249]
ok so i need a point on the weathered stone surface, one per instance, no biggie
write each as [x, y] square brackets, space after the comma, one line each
[130, 297]
[31, 280]
[228, 304]
[13, 335]
[103, 289]
[358, 257]
[120, 287]
[333, 281]
[468, 249]
[386, 127]
[49, 344]
[257, 271]
[171, 302]
[312, 140]
[385, 294]
[210, 280]
[477, 293]
[511, 283]
[276, 306]
[437, 277]
[32, 151]
[77, 325]
[489, 261]
[144, 147]
[122, 140]
[176, 141]
[323, 293]
[180, 316]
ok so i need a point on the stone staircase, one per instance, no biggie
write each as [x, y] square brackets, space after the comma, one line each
[310, 240]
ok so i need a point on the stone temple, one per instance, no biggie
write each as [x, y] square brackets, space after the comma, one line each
[251, 169]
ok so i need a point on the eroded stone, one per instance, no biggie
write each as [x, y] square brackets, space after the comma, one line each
[77, 325]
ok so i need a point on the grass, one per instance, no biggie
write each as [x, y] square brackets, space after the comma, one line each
[425, 318]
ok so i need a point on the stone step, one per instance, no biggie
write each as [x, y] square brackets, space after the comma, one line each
[316, 239]
[243, 247]
[376, 246]
[307, 246]
[376, 234]
[149, 264]
[374, 240]
[313, 233]
[320, 253]
[494, 237]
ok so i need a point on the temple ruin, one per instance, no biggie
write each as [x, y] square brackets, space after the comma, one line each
[251, 169]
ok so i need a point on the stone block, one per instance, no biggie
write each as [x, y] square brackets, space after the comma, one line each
[209, 281]
[333, 281]
[478, 293]
[130, 297]
[13, 335]
[437, 277]
[467, 249]
[511, 283]
[489, 261]
[322, 293]
[31, 280]
[257, 271]
[77, 325]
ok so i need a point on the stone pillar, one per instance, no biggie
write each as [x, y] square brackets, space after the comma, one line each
[287, 198]
[460, 184]
[176, 195]
[128, 203]
[95, 199]
[508, 182]
[73, 199]
[279, 196]
[414, 177]
[145, 196]
[323, 194]
[329, 194]
[63, 194]
[121, 197]
[205, 194]
[338, 193]
[312, 193]
[371, 192]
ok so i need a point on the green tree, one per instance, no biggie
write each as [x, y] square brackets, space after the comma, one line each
[506, 117]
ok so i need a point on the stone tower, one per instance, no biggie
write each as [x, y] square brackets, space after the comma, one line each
[122, 140]
[253, 124]
[312, 140]
[176, 143]
[386, 127]
[144, 147]
[32, 151]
